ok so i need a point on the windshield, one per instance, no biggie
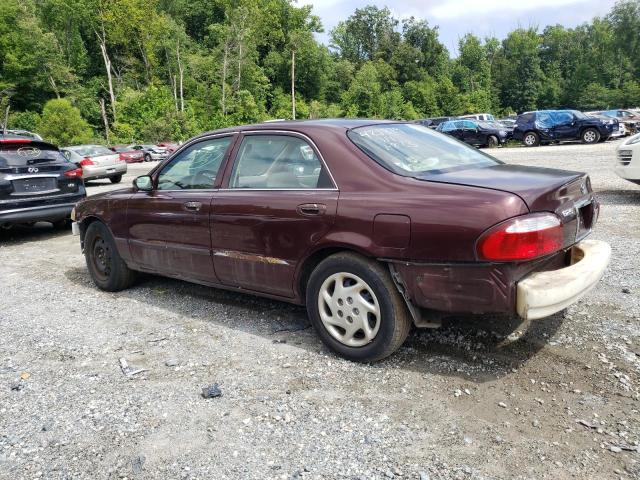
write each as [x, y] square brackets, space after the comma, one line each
[91, 150]
[579, 114]
[407, 149]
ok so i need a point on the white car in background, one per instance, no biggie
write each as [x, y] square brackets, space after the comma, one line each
[627, 164]
[96, 162]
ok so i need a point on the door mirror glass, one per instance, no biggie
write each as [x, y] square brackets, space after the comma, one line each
[143, 183]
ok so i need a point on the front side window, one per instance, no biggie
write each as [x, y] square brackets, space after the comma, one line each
[196, 167]
[278, 162]
[562, 118]
[469, 125]
[408, 149]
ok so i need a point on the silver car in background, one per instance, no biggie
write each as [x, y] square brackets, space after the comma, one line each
[96, 161]
[151, 152]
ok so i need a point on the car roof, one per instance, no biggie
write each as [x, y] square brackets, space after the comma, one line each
[343, 124]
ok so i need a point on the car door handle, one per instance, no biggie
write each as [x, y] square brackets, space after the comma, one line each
[192, 206]
[310, 209]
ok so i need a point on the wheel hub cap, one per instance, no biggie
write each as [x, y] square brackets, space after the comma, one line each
[349, 309]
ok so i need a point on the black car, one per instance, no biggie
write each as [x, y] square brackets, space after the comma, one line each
[475, 132]
[37, 182]
[434, 122]
[546, 126]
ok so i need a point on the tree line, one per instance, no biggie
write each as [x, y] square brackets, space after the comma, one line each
[125, 70]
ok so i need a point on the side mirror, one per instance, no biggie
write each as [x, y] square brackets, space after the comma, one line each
[144, 183]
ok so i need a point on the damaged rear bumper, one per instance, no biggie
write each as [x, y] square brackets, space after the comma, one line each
[544, 293]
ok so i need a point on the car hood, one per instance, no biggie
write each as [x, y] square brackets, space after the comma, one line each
[542, 189]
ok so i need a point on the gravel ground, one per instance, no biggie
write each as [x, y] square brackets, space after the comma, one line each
[483, 397]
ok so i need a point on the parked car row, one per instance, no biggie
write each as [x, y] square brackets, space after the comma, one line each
[629, 119]
[539, 127]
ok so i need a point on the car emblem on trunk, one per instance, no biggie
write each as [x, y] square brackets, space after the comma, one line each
[33, 169]
[28, 152]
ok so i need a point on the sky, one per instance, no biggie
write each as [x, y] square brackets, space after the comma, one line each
[458, 17]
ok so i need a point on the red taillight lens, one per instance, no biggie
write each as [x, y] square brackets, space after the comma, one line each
[86, 161]
[75, 173]
[522, 238]
[122, 157]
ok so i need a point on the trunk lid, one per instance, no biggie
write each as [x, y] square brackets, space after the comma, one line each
[542, 189]
[33, 170]
[567, 194]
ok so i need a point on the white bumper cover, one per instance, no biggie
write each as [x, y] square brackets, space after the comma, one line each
[545, 293]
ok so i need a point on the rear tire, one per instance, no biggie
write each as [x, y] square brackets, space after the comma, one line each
[147, 157]
[531, 139]
[356, 308]
[590, 136]
[107, 269]
[116, 179]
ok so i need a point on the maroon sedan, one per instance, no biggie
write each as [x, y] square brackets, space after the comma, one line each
[128, 155]
[373, 225]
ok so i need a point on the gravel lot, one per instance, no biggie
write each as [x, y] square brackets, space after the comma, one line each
[482, 397]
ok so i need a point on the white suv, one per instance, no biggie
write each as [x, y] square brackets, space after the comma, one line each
[627, 164]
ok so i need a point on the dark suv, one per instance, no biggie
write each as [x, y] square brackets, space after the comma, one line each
[545, 126]
[37, 182]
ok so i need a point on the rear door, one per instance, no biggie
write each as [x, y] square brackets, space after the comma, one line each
[168, 228]
[280, 200]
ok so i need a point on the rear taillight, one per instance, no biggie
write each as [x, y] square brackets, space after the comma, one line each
[86, 161]
[122, 157]
[15, 140]
[522, 238]
[75, 173]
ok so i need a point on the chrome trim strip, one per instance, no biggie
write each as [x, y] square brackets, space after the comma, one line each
[43, 207]
[22, 177]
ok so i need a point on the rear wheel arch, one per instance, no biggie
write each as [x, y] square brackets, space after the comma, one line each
[309, 264]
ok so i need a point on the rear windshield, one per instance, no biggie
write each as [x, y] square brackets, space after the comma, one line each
[23, 154]
[408, 149]
[91, 150]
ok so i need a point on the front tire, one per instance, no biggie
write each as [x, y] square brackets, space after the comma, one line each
[116, 179]
[147, 157]
[531, 139]
[107, 269]
[590, 136]
[356, 308]
[492, 141]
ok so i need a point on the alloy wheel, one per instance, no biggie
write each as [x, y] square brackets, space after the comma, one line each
[530, 139]
[349, 309]
[589, 136]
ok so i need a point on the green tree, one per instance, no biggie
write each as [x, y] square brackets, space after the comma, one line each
[62, 124]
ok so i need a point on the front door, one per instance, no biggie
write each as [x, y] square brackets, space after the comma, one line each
[279, 202]
[470, 132]
[564, 126]
[168, 228]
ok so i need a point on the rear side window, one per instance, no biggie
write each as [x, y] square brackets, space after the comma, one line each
[277, 162]
[23, 154]
[525, 118]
